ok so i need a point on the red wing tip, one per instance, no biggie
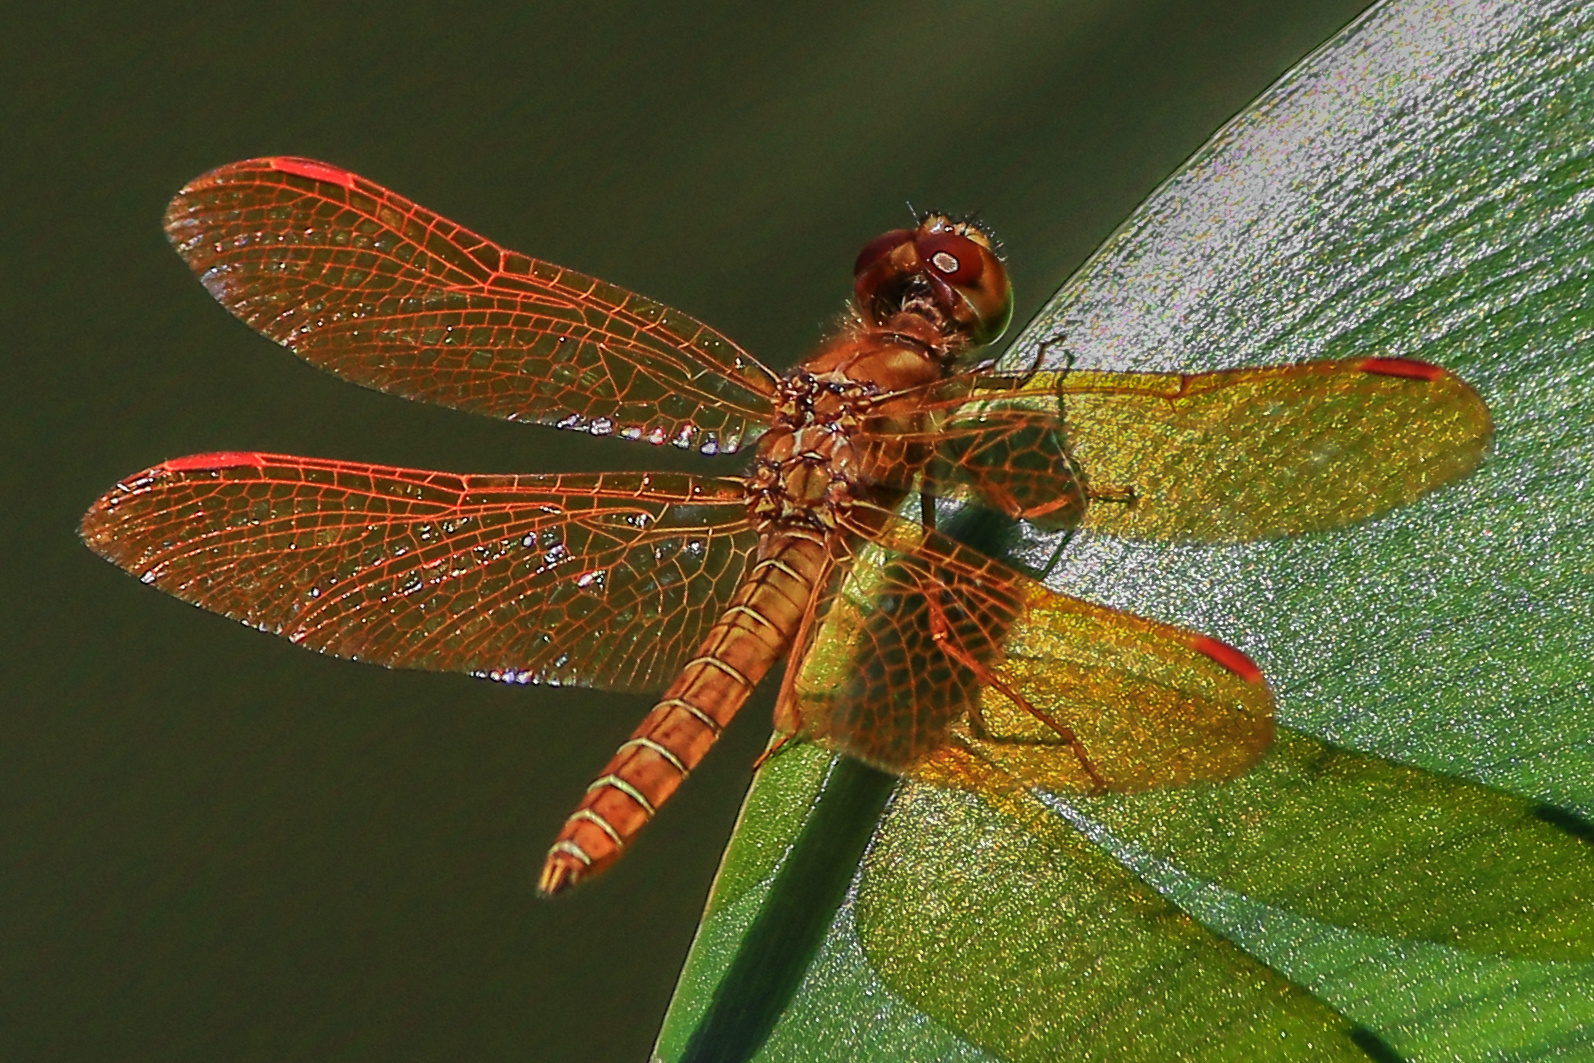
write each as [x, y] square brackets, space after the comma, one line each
[316, 171]
[1229, 657]
[225, 459]
[1406, 367]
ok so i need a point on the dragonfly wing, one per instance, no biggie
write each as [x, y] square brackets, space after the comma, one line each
[605, 580]
[1228, 456]
[366, 284]
[1245, 454]
[932, 650]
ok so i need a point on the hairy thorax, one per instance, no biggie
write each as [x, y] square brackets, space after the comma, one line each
[824, 452]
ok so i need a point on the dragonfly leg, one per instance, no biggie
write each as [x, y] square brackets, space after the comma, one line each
[788, 706]
[941, 632]
[1057, 554]
[774, 747]
[1119, 496]
[1045, 347]
[977, 722]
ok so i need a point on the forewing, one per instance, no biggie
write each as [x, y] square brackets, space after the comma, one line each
[605, 580]
[923, 630]
[363, 283]
[1228, 456]
[1245, 454]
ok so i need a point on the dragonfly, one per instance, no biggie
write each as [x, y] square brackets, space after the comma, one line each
[694, 587]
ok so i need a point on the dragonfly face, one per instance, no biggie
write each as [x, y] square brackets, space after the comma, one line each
[945, 271]
[935, 657]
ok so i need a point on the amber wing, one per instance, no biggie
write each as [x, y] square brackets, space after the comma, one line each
[366, 284]
[1228, 456]
[1253, 453]
[933, 653]
[605, 580]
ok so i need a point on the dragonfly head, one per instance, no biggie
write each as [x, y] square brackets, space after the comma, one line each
[946, 271]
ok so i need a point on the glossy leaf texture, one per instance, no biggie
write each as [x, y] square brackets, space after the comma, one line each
[364, 283]
[606, 580]
[1407, 875]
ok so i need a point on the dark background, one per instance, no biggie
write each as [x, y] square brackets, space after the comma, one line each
[218, 847]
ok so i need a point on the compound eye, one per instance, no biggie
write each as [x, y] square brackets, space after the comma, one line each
[957, 259]
[879, 248]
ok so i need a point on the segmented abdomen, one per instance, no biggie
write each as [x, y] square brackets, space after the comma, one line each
[754, 632]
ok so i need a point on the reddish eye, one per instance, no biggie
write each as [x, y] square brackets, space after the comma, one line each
[879, 248]
[957, 258]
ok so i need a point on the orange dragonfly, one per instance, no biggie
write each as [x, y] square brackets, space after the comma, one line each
[699, 585]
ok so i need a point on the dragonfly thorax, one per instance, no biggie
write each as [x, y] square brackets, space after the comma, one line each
[816, 460]
[806, 462]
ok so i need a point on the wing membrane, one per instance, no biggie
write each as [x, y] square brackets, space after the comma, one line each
[1210, 457]
[1252, 453]
[932, 651]
[366, 284]
[605, 580]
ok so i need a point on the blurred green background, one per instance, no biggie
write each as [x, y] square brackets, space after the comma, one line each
[219, 847]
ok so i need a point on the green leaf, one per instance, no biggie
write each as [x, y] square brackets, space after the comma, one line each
[1431, 857]
[1408, 875]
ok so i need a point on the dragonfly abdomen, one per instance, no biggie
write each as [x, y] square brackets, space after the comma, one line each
[753, 633]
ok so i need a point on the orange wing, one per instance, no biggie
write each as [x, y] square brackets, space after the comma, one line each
[360, 281]
[1228, 456]
[605, 580]
[933, 653]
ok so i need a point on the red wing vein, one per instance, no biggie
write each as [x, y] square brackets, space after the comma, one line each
[605, 580]
[371, 286]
